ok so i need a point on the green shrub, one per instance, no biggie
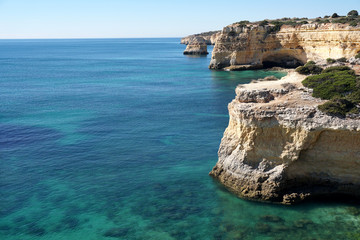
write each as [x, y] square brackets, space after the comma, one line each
[331, 84]
[309, 68]
[310, 63]
[291, 23]
[353, 13]
[320, 20]
[330, 60]
[335, 15]
[326, 16]
[342, 20]
[243, 23]
[341, 59]
[353, 23]
[336, 69]
[338, 107]
[354, 96]
[263, 23]
[277, 26]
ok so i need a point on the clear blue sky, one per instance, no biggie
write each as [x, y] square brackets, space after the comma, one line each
[140, 18]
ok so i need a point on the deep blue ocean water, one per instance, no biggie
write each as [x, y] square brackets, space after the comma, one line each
[114, 139]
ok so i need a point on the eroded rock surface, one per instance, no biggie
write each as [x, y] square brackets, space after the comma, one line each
[292, 46]
[208, 37]
[196, 47]
[279, 147]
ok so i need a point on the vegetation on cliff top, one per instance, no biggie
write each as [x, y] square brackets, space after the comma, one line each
[352, 18]
[309, 68]
[340, 86]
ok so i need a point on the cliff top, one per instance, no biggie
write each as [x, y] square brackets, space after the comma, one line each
[352, 19]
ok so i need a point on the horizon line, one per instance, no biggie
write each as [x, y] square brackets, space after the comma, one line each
[79, 38]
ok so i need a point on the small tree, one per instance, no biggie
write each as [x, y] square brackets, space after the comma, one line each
[335, 15]
[353, 13]
[330, 60]
[264, 23]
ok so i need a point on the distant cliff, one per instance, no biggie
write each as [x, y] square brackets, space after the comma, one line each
[197, 46]
[279, 147]
[208, 37]
[265, 45]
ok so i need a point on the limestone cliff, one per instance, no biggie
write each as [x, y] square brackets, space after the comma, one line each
[208, 37]
[196, 47]
[279, 147]
[257, 45]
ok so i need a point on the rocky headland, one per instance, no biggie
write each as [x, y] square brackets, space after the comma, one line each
[208, 37]
[279, 147]
[284, 143]
[257, 45]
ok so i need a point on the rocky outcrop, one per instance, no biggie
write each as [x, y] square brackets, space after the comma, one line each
[196, 47]
[290, 47]
[208, 37]
[279, 147]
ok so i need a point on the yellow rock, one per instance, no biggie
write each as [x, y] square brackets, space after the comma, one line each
[291, 46]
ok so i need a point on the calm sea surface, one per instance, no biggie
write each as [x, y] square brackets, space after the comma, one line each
[114, 139]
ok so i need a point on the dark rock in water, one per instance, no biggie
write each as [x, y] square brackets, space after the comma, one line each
[35, 230]
[263, 228]
[116, 232]
[271, 218]
[353, 211]
[70, 222]
[178, 234]
[302, 223]
[19, 220]
[281, 228]
[218, 236]
[4, 227]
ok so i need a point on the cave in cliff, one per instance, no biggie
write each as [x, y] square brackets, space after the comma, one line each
[280, 60]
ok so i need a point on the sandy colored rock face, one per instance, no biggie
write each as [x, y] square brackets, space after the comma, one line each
[290, 46]
[196, 49]
[208, 37]
[279, 147]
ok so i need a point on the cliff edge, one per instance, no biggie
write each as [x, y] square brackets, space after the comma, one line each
[196, 47]
[266, 45]
[279, 147]
[208, 37]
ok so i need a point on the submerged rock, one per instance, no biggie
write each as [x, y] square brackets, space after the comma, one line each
[116, 232]
[263, 227]
[271, 218]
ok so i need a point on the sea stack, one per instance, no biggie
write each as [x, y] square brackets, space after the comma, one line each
[196, 47]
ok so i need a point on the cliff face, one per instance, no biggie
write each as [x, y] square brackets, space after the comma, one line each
[208, 37]
[279, 147]
[196, 47]
[291, 46]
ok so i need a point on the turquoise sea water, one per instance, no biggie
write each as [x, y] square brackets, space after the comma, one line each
[114, 139]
